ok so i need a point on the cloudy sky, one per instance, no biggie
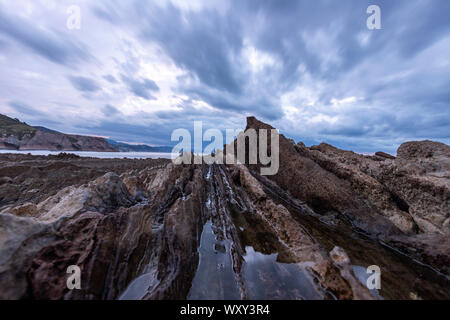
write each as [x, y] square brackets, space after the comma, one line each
[136, 70]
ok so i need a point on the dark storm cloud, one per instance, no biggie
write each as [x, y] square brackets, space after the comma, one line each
[109, 14]
[110, 110]
[3, 44]
[141, 88]
[320, 53]
[322, 39]
[24, 108]
[425, 26]
[206, 44]
[154, 132]
[49, 45]
[110, 78]
[258, 105]
[202, 46]
[84, 84]
[199, 42]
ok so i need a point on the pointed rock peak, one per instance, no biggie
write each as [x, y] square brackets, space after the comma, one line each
[253, 123]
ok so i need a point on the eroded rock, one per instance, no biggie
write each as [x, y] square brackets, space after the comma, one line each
[135, 231]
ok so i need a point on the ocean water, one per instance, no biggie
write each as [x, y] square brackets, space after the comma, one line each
[94, 154]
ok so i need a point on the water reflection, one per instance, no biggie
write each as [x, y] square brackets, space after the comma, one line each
[267, 279]
[215, 279]
[264, 278]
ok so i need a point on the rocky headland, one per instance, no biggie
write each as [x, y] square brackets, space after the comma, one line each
[17, 135]
[149, 229]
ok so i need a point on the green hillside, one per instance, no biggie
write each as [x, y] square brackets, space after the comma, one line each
[9, 126]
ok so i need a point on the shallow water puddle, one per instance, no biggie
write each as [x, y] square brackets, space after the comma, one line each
[265, 278]
[214, 278]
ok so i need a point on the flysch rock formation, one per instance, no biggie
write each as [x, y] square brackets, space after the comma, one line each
[166, 231]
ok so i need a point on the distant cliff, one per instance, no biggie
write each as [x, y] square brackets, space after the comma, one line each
[125, 147]
[17, 135]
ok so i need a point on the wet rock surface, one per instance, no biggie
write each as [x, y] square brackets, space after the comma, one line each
[149, 229]
[385, 198]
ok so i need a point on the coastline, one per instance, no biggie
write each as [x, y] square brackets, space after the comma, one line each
[94, 154]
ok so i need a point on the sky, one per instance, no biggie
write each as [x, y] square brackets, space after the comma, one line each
[136, 70]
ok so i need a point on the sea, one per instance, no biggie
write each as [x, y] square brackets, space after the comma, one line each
[94, 154]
